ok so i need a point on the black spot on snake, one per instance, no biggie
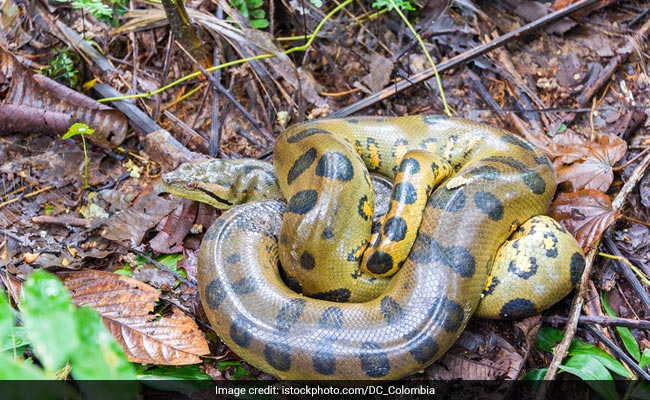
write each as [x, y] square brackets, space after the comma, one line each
[517, 141]
[352, 120]
[509, 161]
[240, 330]
[214, 294]
[409, 166]
[244, 286]
[323, 360]
[457, 258]
[447, 313]
[301, 164]
[307, 261]
[233, 258]
[278, 355]
[327, 233]
[421, 346]
[526, 272]
[576, 267]
[302, 202]
[449, 200]
[335, 165]
[374, 361]
[391, 310]
[306, 133]
[395, 229]
[331, 318]
[363, 201]
[289, 314]
[487, 172]
[341, 295]
[433, 119]
[404, 192]
[517, 308]
[489, 204]
[379, 262]
[534, 182]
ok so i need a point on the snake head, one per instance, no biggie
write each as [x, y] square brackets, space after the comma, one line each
[223, 183]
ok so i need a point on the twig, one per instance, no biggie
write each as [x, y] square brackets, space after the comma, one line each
[65, 220]
[31, 194]
[461, 58]
[601, 320]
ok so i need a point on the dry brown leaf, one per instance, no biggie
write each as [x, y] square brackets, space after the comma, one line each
[588, 164]
[129, 226]
[126, 306]
[586, 214]
[48, 104]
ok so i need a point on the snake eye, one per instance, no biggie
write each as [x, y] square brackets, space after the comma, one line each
[190, 184]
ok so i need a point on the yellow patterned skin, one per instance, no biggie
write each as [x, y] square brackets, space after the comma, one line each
[486, 184]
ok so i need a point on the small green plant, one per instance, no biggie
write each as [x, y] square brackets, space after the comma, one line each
[62, 68]
[588, 362]
[253, 11]
[66, 340]
[94, 7]
[83, 130]
[401, 4]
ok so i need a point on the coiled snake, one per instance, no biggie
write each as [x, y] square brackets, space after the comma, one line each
[482, 185]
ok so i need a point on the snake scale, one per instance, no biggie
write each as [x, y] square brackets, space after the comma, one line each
[466, 201]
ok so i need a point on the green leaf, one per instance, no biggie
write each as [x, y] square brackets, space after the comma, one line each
[628, 339]
[645, 358]
[48, 317]
[260, 23]
[254, 3]
[98, 356]
[582, 349]
[593, 373]
[547, 338]
[535, 374]
[78, 129]
[6, 318]
[258, 14]
[317, 3]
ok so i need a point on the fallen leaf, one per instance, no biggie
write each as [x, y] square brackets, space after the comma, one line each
[379, 76]
[126, 306]
[585, 214]
[586, 164]
[129, 226]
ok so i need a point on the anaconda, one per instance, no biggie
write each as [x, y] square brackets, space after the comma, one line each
[462, 190]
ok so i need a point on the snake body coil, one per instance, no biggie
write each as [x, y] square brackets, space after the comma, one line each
[493, 183]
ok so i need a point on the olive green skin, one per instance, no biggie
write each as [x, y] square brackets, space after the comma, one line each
[499, 182]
